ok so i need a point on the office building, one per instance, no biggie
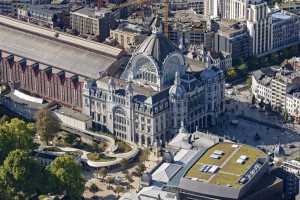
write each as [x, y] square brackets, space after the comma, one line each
[46, 15]
[285, 29]
[91, 22]
[232, 39]
[9, 7]
[259, 25]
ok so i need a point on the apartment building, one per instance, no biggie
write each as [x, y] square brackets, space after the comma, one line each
[91, 22]
[128, 35]
[279, 87]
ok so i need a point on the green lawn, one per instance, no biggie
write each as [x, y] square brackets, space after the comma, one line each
[194, 172]
[233, 167]
[226, 179]
[225, 147]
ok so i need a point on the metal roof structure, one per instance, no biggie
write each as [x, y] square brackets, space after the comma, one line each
[157, 46]
[165, 172]
[65, 53]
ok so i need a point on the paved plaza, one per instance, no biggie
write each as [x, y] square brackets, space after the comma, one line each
[252, 121]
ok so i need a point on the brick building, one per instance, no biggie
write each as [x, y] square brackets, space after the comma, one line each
[51, 65]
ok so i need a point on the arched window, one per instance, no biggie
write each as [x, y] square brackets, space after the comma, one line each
[145, 69]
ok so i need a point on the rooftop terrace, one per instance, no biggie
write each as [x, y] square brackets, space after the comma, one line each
[227, 172]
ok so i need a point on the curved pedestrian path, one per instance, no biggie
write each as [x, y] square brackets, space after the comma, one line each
[109, 151]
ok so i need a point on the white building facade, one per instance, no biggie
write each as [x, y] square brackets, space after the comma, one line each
[279, 87]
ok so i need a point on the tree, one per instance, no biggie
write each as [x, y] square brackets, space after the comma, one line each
[144, 155]
[46, 125]
[20, 174]
[285, 117]
[129, 178]
[103, 172]
[243, 68]
[94, 188]
[231, 73]
[15, 134]
[119, 189]
[140, 169]
[249, 82]
[110, 180]
[66, 177]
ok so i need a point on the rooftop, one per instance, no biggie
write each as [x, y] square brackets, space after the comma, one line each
[64, 53]
[91, 12]
[228, 171]
[231, 28]
[281, 15]
[72, 113]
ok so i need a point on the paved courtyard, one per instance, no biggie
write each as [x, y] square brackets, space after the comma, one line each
[108, 194]
[252, 121]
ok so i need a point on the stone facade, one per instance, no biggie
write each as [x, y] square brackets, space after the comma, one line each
[154, 95]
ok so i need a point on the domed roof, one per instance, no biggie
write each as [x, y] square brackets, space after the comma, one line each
[177, 90]
[279, 151]
[157, 46]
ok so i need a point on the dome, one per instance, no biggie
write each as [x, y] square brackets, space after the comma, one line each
[177, 90]
[279, 151]
[157, 46]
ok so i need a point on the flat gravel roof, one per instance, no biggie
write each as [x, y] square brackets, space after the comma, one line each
[53, 53]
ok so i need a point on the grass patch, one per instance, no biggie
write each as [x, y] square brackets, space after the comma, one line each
[195, 172]
[99, 157]
[233, 167]
[74, 153]
[123, 147]
[226, 179]
[225, 147]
